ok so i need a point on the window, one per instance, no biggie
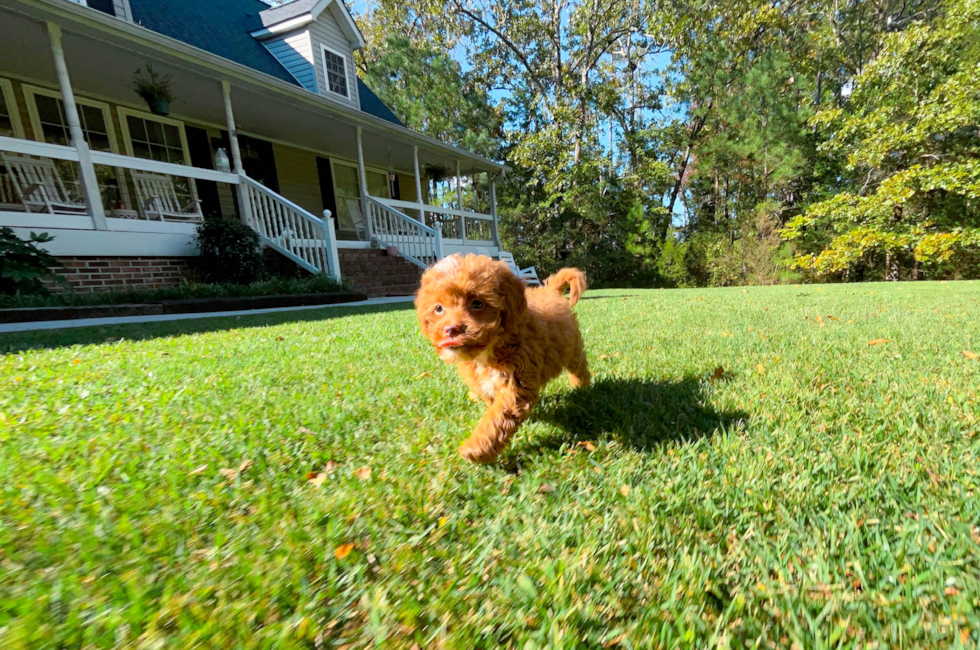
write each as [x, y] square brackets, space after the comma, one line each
[9, 116]
[50, 124]
[335, 71]
[154, 138]
[348, 186]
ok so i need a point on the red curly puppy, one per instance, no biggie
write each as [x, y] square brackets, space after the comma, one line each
[506, 340]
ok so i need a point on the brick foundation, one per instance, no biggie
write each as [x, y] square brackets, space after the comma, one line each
[374, 272]
[91, 274]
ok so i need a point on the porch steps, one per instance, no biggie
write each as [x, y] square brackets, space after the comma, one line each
[374, 272]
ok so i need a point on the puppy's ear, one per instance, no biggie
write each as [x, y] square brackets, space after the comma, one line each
[511, 289]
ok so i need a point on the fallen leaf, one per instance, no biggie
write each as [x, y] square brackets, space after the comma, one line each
[317, 479]
[951, 591]
[343, 551]
[879, 341]
[545, 489]
[442, 521]
[244, 466]
[625, 490]
[603, 357]
[588, 446]
[972, 356]
[279, 338]
[760, 368]
[364, 473]
[612, 642]
[330, 467]
[229, 474]
[422, 375]
[76, 362]
[197, 470]
[718, 374]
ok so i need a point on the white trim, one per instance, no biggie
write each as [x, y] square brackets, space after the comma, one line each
[353, 31]
[124, 112]
[115, 243]
[39, 221]
[147, 165]
[30, 94]
[347, 243]
[285, 26]
[10, 99]
[326, 73]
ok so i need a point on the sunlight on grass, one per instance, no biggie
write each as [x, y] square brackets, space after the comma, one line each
[745, 467]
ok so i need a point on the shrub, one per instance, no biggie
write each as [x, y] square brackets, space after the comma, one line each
[229, 252]
[23, 265]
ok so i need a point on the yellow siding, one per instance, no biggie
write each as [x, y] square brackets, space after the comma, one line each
[406, 185]
[298, 178]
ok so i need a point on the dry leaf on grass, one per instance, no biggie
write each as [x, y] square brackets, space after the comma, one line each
[625, 490]
[760, 368]
[330, 467]
[343, 551]
[197, 470]
[363, 473]
[244, 466]
[879, 341]
[316, 479]
[972, 356]
[229, 474]
[588, 446]
[603, 357]
[545, 489]
[718, 374]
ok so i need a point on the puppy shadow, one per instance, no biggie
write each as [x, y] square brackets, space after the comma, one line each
[639, 413]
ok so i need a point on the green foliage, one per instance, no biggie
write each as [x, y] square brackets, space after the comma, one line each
[274, 286]
[150, 86]
[229, 252]
[909, 136]
[24, 265]
[158, 487]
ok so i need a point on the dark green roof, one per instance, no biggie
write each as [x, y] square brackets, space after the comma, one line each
[223, 27]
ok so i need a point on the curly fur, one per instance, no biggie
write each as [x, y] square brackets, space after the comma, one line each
[506, 340]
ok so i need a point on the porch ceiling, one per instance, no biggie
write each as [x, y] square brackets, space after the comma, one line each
[102, 57]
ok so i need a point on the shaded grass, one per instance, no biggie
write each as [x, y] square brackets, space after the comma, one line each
[820, 492]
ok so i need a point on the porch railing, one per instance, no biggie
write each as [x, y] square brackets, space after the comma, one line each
[415, 241]
[284, 226]
[453, 223]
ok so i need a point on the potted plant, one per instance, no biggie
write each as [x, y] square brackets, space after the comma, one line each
[156, 90]
[436, 173]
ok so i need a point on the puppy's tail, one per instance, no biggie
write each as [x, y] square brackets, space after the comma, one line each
[571, 279]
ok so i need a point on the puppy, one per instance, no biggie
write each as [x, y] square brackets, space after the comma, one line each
[507, 340]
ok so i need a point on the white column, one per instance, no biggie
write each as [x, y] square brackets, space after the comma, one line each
[245, 205]
[86, 169]
[418, 186]
[330, 234]
[459, 202]
[362, 181]
[493, 209]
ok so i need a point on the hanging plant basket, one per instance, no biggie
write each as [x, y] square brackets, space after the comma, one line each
[156, 90]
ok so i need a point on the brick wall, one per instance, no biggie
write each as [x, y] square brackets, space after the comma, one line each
[372, 271]
[90, 274]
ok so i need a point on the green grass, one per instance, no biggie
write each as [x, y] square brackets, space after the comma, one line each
[823, 492]
[274, 286]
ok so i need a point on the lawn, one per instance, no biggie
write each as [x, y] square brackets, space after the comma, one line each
[747, 471]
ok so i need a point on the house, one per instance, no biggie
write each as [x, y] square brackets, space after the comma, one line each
[270, 124]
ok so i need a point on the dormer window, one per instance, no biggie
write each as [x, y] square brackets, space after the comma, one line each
[335, 69]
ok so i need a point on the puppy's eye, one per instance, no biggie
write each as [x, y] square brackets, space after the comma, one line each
[476, 305]
[438, 309]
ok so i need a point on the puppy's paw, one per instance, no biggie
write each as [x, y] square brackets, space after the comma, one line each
[477, 452]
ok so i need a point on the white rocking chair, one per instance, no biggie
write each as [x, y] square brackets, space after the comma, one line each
[38, 184]
[360, 226]
[158, 198]
[529, 275]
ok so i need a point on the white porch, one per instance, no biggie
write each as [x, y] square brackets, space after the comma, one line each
[84, 60]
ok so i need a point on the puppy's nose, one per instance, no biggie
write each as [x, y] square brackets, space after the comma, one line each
[453, 330]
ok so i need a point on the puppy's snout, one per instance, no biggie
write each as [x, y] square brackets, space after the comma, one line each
[454, 330]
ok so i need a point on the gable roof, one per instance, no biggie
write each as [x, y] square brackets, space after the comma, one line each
[299, 13]
[224, 27]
